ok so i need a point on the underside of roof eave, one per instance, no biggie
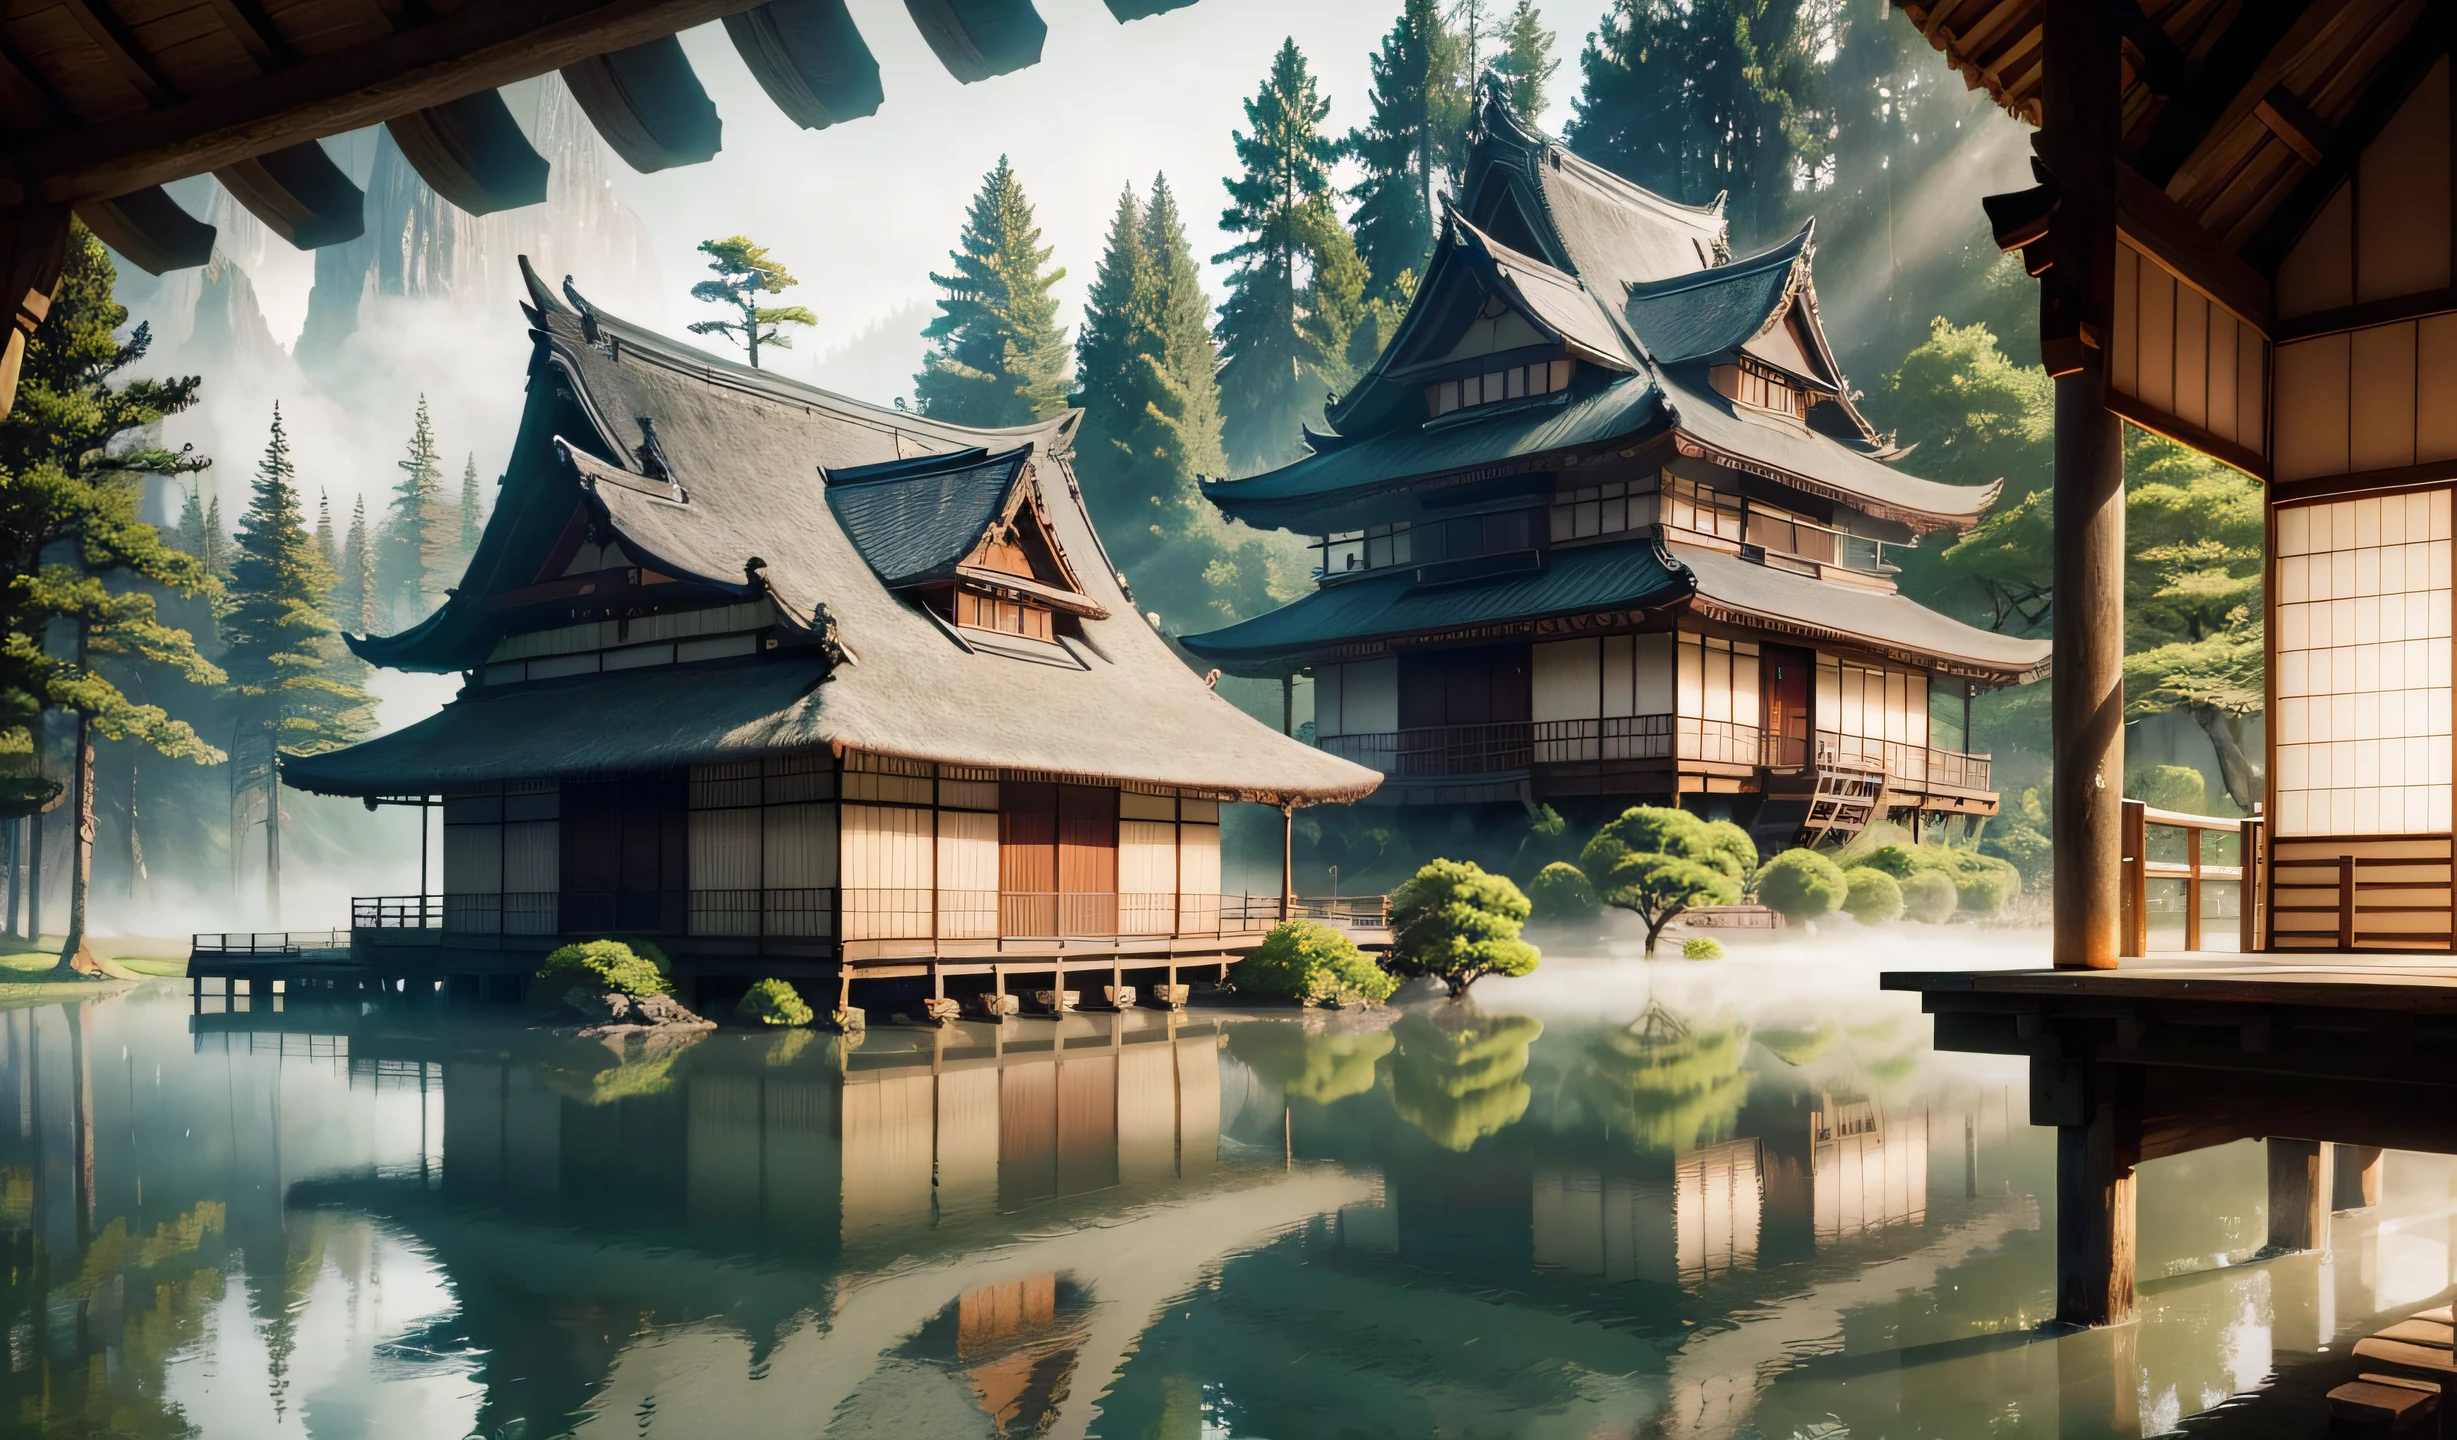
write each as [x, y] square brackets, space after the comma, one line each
[1992, 672]
[1921, 521]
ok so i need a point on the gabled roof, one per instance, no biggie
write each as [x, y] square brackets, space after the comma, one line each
[1586, 220]
[742, 498]
[1552, 298]
[1640, 574]
[1712, 313]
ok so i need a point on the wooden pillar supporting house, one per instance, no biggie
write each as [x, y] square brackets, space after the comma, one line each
[2097, 1113]
[2300, 1194]
[2077, 144]
[2356, 1171]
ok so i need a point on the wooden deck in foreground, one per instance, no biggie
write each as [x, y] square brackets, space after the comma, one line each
[2175, 1053]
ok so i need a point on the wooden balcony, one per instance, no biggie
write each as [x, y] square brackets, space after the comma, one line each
[1913, 774]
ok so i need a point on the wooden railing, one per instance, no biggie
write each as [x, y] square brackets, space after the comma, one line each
[1517, 744]
[2194, 871]
[266, 944]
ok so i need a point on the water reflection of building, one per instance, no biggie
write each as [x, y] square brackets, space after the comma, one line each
[1869, 1170]
[1700, 1223]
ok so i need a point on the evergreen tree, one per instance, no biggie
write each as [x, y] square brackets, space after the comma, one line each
[1692, 99]
[1185, 410]
[76, 560]
[1121, 332]
[416, 546]
[1525, 63]
[744, 273]
[1270, 382]
[1420, 113]
[280, 649]
[473, 512]
[353, 600]
[327, 543]
[1000, 356]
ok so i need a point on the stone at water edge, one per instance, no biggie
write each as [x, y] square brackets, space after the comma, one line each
[86, 962]
[1420, 990]
[847, 1019]
[614, 1008]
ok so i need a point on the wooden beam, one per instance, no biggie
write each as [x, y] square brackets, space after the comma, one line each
[648, 104]
[810, 58]
[476, 47]
[256, 33]
[150, 229]
[2225, 70]
[2158, 226]
[2388, 90]
[33, 247]
[2189, 435]
[2162, 63]
[2293, 123]
[2095, 1257]
[300, 195]
[126, 53]
[473, 153]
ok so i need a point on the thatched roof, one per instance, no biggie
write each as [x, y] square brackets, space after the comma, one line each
[723, 488]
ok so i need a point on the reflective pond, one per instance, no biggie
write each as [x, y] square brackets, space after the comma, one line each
[1739, 1199]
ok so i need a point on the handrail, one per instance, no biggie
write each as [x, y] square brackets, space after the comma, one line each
[2138, 870]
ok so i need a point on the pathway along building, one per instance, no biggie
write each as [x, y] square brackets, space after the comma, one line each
[800, 686]
[1603, 521]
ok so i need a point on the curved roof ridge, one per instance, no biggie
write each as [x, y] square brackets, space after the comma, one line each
[1496, 105]
[1787, 253]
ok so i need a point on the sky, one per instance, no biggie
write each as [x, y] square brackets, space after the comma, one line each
[861, 212]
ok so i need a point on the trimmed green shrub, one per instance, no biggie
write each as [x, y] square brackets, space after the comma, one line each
[1701, 948]
[772, 1001]
[1310, 962]
[1801, 885]
[1453, 920]
[1656, 862]
[654, 954]
[2170, 787]
[1560, 893]
[1928, 897]
[601, 965]
[1895, 860]
[1732, 846]
[1984, 892]
[1875, 898]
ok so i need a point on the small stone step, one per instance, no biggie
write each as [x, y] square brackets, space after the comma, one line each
[994, 1006]
[1056, 1002]
[2369, 1402]
[2444, 1315]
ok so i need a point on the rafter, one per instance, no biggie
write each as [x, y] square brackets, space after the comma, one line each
[2388, 90]
[2230, 65]
[248, 24]
[2294, 124]
[126, 53]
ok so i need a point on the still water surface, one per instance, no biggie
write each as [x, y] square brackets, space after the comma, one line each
[1733, 1200]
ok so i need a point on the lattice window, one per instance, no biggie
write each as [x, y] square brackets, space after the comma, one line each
[2363, 646]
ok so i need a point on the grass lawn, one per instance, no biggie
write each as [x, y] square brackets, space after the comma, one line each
[21, 964]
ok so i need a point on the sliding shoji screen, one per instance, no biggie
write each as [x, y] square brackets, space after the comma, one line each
[2362, 610]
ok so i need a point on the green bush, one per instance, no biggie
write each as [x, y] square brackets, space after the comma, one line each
[1928, 897]
[1453, 920]
[1875, 897]
[1560, 893]
[1802, 885]
[2021, 845]
[1310, 962]
[2170, 787]
[1895, 860]
[602, 965]
[1732, 848]
[1984, 892]
[1700, 948]
[774, 1002]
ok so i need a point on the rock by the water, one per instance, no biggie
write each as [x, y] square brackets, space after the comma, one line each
[1420, 990]
[612, 1010]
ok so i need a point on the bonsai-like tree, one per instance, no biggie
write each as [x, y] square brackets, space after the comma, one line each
[744, 273]
[1455, 921]
[1802, 885]
[1656, 862]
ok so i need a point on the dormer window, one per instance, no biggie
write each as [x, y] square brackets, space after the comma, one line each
[1751, 382]
[976, 611]
[1545, 377]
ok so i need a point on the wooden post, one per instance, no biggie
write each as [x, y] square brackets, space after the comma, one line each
[2248, 891]
[2346, 902]
[2192, 890]
[2136, 896]
[2080, 121]
[1288, 860]
[2096, 1150]
[2299, 1189]
[2356, 1177]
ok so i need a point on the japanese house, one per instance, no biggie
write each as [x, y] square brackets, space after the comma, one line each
[1603, 521]
[801, 686]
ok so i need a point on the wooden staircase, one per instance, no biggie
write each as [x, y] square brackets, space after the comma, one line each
[1826, 803]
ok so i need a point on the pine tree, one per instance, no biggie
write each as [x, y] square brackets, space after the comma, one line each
[280, 648]
[1121, 331]
[353, 601]
[1526, 62]
[473, 513]
[1269, 383]
[1186, 411]
[1420, 114]
[1001, 356]
[416, 545]
[1689, 100]
[744, 273]
[327, 544]
[78, 557]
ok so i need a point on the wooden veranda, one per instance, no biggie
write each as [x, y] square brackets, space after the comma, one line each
[2242, 236]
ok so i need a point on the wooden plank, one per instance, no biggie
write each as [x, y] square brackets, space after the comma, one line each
[2364, 1402]
[2436, 1333]
[2095, 1199]
[2413, 1357]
